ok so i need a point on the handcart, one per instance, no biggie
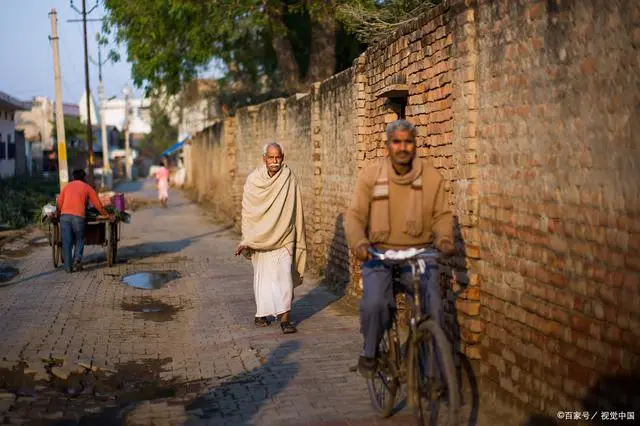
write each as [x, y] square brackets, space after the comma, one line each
[100, 230]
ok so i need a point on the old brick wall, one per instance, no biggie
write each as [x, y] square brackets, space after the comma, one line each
[298, 148]
[212, 153]
[529, 110]
[336, 172]
[558, 140]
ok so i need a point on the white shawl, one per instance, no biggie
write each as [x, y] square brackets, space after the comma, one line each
[272, 215]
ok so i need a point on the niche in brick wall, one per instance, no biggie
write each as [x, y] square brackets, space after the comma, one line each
[396, 93]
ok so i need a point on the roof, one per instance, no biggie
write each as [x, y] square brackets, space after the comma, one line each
[11, 103]
[173, 148]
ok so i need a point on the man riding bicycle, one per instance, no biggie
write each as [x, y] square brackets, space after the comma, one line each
[399, 203]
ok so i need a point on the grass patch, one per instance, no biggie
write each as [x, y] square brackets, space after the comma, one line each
[22, 199]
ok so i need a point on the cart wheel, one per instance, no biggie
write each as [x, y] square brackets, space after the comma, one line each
[116, 238]
[56, 246]
[111, 243]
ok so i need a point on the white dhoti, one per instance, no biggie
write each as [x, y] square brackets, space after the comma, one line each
[272, 281]
[163, 189]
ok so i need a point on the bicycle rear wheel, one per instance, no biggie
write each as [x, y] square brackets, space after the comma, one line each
[436, 384]
[383, 387]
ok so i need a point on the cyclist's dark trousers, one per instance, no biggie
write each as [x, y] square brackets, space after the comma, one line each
[378, 300]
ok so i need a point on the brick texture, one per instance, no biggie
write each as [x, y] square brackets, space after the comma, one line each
[529, 111]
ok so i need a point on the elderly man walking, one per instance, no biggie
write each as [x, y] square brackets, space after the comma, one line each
[273, 236]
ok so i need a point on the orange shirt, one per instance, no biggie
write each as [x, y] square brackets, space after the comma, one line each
[73, 199]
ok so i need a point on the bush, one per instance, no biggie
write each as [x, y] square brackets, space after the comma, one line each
[22, 199]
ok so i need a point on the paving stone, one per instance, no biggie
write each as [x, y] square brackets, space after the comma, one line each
[233, 371]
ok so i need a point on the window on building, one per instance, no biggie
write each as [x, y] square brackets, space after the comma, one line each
[11, 148]
[3, 152]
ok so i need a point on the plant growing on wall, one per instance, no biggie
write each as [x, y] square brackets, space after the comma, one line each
[375, 20]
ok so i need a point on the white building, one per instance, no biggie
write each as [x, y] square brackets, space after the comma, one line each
[199, 107]
[139, 119]
[8, 107]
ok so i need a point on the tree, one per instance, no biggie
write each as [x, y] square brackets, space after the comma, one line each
[261, 45]
[162, 134]
[375, 20]
[74, 129]
[75, 133]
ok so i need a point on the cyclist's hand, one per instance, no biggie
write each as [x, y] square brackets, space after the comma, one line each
[362, 252]
[239, 250]
[447, 248]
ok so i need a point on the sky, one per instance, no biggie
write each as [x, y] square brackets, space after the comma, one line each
[27, 56]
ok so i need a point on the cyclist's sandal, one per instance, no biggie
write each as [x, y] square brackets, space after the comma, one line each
[287, 327]
[261, 322]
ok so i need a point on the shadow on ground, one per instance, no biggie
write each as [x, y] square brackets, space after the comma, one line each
[132, 186]
[311, 303]
[152, 249]
[126, 254]
[239, 399]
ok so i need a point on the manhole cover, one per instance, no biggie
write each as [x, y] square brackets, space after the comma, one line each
[7, 273]
[150, 280]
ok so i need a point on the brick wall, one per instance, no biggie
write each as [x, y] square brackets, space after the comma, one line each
[529, 111]
[298, 147]
[559, 229]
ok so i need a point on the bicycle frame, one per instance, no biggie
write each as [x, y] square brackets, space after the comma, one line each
[403, 366]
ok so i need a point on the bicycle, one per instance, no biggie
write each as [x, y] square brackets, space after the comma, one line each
[426, 347]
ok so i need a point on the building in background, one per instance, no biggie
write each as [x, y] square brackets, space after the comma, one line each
[8, 108]
[37, 122]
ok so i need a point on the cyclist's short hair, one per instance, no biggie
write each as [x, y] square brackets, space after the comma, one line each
[402, 125]
[265, 148]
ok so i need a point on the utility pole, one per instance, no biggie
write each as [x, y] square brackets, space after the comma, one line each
[127, 148]
[106, 168]
[63, 171]
[87, 87]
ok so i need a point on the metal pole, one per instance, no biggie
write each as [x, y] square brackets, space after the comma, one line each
[88, 92]
[63, 172]
[127, 148]
[106, 168]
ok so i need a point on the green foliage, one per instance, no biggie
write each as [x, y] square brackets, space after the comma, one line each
[170, 42]
[74, 129]
[162, 134]
[23, 199]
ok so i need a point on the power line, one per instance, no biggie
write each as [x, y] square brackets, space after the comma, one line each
[84, 14]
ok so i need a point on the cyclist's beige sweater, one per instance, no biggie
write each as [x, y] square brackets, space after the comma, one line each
[437, 217]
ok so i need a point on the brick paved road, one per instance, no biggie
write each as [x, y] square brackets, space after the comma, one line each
[193, 358]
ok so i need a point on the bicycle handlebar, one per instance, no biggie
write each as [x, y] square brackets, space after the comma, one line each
[420, 254]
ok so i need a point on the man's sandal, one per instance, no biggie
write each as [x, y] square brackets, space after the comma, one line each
[261, 322]
[287, 327]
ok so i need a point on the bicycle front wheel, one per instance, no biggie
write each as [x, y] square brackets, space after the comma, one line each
[436, 384]
[383, 387]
